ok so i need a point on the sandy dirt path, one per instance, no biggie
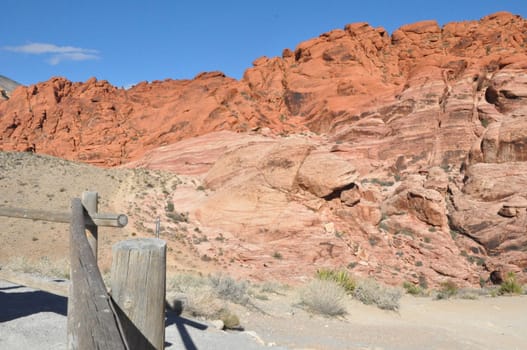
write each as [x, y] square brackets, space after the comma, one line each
[32, 319]
[421, 323]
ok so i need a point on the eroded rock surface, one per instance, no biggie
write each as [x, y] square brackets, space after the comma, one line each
[401, 157]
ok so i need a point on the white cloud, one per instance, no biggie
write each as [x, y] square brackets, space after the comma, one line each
[73, 56]
[59, 53]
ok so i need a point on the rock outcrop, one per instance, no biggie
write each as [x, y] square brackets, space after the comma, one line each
[403, 156]
[490, 206]
[402, 98]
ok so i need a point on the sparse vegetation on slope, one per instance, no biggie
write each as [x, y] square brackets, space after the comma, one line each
[341, 277]
[325, 297]
[43, 266]
[370, 292]
[447, 290]
[510, 285]
[413, 289]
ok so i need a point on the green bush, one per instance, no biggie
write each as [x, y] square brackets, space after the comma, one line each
[325, 297]
[170, 206]
[369, 291]
[510, 285]
[341, 277]
[413, 289]
[447, 290]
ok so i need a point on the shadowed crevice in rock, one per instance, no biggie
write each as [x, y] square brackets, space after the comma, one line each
[338, 191]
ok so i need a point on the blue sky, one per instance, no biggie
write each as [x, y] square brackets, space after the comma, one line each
[126, 42]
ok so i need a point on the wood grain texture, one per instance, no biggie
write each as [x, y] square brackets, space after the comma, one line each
[99, 219]
[138, 289]
[91, 321]
[90, 201]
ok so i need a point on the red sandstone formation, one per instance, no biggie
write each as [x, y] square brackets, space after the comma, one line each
[417, 95]
[413, 144]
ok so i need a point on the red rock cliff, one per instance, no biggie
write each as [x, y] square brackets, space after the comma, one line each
[418, 95]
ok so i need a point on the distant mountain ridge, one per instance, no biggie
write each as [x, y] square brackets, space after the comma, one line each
[7, 86]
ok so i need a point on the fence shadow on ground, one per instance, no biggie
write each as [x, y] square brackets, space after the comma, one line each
[15, 304]
[174, 318]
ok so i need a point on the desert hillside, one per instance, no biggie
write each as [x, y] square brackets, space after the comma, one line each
[398, 156]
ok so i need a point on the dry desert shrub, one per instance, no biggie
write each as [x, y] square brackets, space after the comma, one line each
[182, 281]
[206, 297]
[21, 264]
[369, 291]
[45, 267]
[230, 320]
[272, 287]
[202, 302]
[261, 291]
[192, 294]
[229, 289]
[325, 297]
[57, 268]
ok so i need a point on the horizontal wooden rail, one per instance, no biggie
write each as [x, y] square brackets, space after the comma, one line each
[98, 219]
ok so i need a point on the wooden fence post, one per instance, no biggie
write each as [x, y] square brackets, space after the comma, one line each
[90, 202]
[91, 321]
[138, 290]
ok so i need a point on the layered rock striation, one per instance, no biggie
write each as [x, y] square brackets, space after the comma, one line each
[402, 156]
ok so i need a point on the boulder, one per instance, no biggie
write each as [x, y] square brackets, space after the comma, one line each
[427, 205]
[325, 174]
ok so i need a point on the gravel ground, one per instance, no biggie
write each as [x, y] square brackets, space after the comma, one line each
[36, 320]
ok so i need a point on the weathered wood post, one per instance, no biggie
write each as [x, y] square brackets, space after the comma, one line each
[138, 290]
[90, 202]
[91, 322]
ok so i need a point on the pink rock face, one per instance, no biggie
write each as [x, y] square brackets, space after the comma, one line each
[255, 199]
[323, 173]
[491, 206]
[401, 155]
[426, 205]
